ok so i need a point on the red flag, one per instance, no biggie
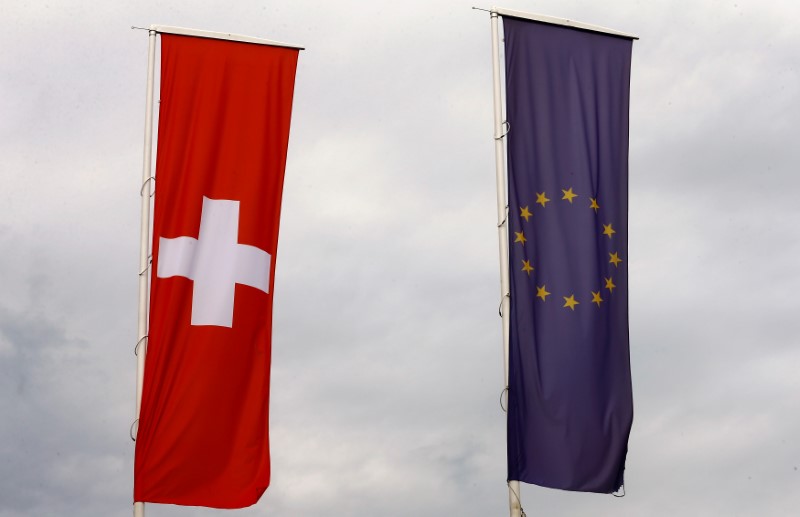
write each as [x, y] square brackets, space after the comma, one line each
[223, 133]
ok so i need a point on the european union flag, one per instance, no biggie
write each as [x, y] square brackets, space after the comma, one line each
[570, 402]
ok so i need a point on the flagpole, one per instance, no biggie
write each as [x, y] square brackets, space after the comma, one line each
[144, 244]
[515, 507]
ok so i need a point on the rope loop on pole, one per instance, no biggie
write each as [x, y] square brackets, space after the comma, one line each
[505, 218]
[149, 263]
[507, 125]
[141, 191]
[504, 392]
[134, 424]
[138, 344]
[500, 309]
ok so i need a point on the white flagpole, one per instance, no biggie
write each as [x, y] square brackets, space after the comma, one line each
[514, 504]
[144, 246]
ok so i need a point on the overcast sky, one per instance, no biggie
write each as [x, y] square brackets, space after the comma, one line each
[387, 354]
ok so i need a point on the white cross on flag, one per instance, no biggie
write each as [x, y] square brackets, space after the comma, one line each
[215, 262]
[222, 140]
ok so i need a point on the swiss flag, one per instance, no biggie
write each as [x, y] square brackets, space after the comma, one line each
[222, 138]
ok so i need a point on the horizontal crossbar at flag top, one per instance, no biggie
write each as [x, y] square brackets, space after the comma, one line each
[552, 20]
[183, 31]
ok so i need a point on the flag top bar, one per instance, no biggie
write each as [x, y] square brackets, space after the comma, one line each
[182, 31]
[560, 21]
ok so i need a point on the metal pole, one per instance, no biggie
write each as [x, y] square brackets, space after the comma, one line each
[514, 504]
[144, 245]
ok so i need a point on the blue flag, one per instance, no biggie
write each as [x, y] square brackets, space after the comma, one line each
[570, 405]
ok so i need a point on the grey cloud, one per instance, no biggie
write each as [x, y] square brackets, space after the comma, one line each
[387, 361]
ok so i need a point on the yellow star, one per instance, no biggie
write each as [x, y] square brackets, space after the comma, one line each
[569, 195]
[570, 301]
[615, 259]
[596, 298]
[520, 237]
[594, 204]
[608, 230]
[610, 284]
[541, 198]
[526, 266]
[524, 212]
[541, 292]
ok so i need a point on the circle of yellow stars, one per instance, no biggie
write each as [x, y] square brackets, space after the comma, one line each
[570, 302]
